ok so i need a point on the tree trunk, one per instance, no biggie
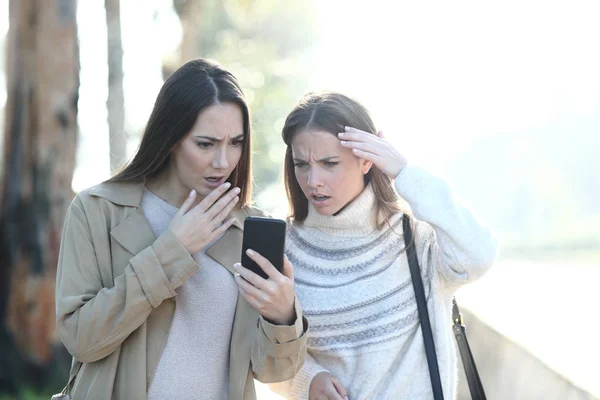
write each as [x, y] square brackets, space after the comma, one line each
[39, 155]
[115, 102]
[189, 13]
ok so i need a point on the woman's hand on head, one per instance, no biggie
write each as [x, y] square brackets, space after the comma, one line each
[374, 148]
[273, 298]
[325, 386]
[197, 226]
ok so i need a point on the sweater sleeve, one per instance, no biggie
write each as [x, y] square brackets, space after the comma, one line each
[459, 246]
[298, 387]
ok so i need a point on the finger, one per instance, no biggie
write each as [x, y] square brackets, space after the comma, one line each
[187, 204]
[358, 136]
[222, 215]
[249, 298]
[250, 289]
[219, 231]
[364, 146]
[217, 207]
[251, 277]
[264, 264]
[366, 156]
[212, 197]
[288, 268]
[332, 393]
[250, 293]
[339, 387]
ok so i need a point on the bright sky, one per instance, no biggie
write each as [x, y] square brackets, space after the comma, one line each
[443, 73]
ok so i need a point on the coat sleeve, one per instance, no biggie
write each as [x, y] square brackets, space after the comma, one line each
[93, 320]
[278, 352]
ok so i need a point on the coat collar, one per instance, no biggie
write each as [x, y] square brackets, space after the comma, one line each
[135, 234]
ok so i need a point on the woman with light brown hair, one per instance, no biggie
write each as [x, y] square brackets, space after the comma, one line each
[345, 238]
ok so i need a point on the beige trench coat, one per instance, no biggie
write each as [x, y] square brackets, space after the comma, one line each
[115, 299]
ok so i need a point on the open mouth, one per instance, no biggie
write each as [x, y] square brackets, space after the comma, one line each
[215, 179]
[319, 197]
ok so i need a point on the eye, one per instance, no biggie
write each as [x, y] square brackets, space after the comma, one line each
[331, 164]
[237, 143]
[204, 145]
[299, 164]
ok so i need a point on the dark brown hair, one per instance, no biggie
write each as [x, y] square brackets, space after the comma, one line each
[189, 90]
[331, 112]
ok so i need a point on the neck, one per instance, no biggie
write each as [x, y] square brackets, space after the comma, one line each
[169, 188]
[355, 218]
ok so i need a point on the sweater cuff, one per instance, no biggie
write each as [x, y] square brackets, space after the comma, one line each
[304, 377]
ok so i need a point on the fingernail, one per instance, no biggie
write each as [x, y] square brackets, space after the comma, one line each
[227, 184]
[192, 193]
[236, 266]
[250, 252]
[346, 128]
[341, 134]
[344, 142]
[237, 190]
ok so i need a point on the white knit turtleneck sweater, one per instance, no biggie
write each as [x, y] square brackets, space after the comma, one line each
[354, 284]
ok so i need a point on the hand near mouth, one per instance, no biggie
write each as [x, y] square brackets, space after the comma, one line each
[197, 226]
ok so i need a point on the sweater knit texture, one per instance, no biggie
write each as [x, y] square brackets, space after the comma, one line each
[354, 284]
[195, 361]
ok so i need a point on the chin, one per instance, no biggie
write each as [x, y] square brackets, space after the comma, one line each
[326, 211]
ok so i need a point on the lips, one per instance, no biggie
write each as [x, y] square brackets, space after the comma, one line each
[319, 197]
[214, 181]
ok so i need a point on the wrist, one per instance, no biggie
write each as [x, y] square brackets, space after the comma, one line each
[285, 320]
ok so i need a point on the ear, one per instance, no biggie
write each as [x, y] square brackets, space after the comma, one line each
[365, 166]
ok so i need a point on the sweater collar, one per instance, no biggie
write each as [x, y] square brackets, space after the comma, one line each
[358, 215]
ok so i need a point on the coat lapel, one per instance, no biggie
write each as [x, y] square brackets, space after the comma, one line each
[134, 233]
[228, 250]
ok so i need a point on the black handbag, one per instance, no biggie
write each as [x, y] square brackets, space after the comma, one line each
[475, 386]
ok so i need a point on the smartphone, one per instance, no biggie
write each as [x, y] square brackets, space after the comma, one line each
[266, 236]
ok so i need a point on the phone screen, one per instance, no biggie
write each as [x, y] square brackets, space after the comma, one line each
[266, 236]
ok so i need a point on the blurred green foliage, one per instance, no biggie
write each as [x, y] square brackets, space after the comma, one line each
[268, 45]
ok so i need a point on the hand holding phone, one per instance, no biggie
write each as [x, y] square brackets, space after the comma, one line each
[266, 277]
[266, 236]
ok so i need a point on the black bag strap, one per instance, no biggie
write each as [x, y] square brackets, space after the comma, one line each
[417, 281]
[475, 385]
[473, 379]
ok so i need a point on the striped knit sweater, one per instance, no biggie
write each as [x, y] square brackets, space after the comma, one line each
[354, 284]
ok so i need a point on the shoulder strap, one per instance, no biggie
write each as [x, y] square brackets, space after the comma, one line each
[475, 385]
[417, 281]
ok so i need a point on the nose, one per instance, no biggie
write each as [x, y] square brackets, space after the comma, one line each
[314, 178]
[220, 161]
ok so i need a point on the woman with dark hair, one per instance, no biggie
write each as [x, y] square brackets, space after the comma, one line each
[148, 301]
[345, 238]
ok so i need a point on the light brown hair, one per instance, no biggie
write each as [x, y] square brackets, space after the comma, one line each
[331, 112]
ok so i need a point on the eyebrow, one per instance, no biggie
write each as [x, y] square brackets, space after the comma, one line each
[324, 159]
[214, 139]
